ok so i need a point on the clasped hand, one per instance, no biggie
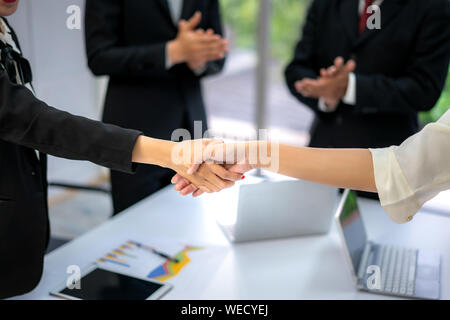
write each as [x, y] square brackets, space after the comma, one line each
[227, 161]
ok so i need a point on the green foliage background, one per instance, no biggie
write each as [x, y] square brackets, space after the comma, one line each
[287, 19]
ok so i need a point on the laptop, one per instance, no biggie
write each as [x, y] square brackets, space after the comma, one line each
[385, 269]
[281, 209]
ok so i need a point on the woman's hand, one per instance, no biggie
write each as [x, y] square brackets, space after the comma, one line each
[181, 157]
[235, 158]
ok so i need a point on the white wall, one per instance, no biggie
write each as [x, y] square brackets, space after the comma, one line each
[61, 76]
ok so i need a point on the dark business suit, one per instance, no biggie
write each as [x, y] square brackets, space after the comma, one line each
[401, 69]
[26, 125]
[127, 41]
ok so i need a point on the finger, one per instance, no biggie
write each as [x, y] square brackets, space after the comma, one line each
[309, 82]
[194, 21]
[298, 86]
[176, 178]
[199, 181]
[197, 193]
[225, 174]
[188, 190]
[199, 32]
[331, 71]
[323, 72]
[182, 25]
[214, 56]
[350, 66]
[216, 49]
[213, 182]
[212, 52]
[208, 187]
[300, 89]
[339, 62]
[206, 39]
[182, 184]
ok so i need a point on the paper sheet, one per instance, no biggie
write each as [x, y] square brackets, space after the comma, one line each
[195, 267]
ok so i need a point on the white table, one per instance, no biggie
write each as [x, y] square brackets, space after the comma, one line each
[311, 267]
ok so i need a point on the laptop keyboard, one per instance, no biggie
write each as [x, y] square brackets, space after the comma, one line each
[398, 269]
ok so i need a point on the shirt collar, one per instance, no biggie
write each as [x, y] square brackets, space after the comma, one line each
[7, 37]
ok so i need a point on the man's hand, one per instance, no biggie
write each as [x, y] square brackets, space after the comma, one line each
[331, 85]
[181, 157]
[196, 47]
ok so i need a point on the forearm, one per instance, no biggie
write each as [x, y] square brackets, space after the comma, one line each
[344, 168]
[29, 122]
[139, 61]
[153, 151]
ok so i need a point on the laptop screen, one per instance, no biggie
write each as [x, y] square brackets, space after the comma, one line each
[353, 228]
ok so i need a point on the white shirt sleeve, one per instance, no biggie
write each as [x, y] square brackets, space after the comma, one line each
[323, 106]
[350, 94]
[168, 63]
[409, 175]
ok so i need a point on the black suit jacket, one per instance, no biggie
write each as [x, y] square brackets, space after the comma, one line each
[127, 41]
[26, 125]
[401, 68]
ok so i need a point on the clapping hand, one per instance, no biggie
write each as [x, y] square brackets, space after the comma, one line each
[196, 47]
[331, 85]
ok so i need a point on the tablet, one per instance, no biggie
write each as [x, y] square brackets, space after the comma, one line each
[102, 284]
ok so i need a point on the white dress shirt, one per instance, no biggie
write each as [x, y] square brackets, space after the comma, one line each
[350, 95]
[409, 175]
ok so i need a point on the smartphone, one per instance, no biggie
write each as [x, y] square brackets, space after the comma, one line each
[102, 284]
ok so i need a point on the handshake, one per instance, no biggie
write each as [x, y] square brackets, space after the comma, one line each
[205, 166]
[214, 165]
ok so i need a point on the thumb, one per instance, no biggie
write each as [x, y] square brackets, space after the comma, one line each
[182, 25]
[194, 21]
[193, 169]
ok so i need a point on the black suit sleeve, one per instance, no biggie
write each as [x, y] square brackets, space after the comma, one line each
[214, 21]
[106, 55]
[303, 65]
[420, 86]
[29, 122]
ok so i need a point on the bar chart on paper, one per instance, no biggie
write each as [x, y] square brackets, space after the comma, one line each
[143, 261]
[184, 266]
[170, 268]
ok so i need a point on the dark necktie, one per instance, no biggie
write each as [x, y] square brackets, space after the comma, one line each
[364, 16]
[17, 67]
[9, 59]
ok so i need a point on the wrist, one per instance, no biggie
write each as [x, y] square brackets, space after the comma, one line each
[153, 151]
[258, 154]
[345, 86]
[331, 104]
[175, 52]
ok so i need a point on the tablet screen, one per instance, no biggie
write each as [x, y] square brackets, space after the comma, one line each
[101, 284]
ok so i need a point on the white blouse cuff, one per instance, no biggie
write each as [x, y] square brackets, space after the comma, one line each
[396, 195]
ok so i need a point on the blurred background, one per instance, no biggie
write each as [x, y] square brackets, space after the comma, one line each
[250, 93]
